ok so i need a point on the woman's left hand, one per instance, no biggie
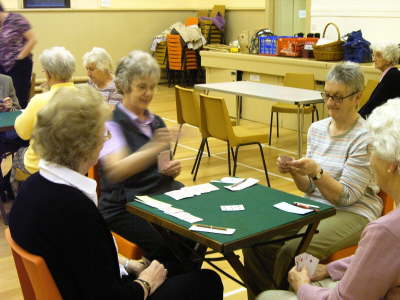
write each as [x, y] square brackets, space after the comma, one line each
[305, 166]
[7, 103]
[297, 279]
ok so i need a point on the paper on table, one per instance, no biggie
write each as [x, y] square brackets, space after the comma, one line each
[191, 191]
[231, 180]
[292, 209]
[152, 202]
[232, 207]
[241, 186]
[213, 230]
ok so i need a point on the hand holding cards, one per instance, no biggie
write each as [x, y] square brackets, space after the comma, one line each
[163, 160]
[307, 261]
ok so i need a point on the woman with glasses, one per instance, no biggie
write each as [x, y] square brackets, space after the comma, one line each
[386, 57]
[335, 171]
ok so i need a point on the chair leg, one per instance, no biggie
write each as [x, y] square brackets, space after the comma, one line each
[277, 124]
[229, 158]
[264, 165]
[312, 116]
[316, 110]
[208, 149]
[235, 157]
[197, 156]
[270, 127]
[177, 139]
[199, 160]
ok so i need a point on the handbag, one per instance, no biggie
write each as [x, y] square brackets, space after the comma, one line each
[356, 48]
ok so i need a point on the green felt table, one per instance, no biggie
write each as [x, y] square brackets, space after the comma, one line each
[259, 219]
[7, 120]
[259, 222]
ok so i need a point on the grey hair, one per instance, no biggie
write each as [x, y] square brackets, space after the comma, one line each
[58, 62]
[383, 125]
[100, 57]
[349, 74]
[390, 52]
[137, 64]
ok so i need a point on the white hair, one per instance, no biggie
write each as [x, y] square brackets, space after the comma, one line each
[136, 65]
[384, 127]
[58, 62]
[389, 51]
[349, 74]
[100, 57]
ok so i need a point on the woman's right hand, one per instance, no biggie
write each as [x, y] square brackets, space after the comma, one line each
[321, 272]
[155, 275]
[282, 164]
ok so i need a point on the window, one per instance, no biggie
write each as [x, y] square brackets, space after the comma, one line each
[46, 4]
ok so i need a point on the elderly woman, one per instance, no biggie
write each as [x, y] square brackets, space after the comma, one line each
[386, 57]
[16, 43]
[133, 129]
[58, 65]
[373, 272]
[335, 171]
[98, 65]
[8, 98]
[55, 215]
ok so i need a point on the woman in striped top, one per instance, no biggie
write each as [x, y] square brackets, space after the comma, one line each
[335, 171]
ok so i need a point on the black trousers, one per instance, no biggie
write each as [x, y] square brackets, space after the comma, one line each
[21, 74]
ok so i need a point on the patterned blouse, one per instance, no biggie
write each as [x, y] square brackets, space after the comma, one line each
[110, 92]
[11, 39]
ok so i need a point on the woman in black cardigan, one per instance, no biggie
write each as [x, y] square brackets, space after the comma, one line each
[386, 57]
[55, 215]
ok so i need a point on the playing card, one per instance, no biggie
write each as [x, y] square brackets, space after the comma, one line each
[163, 160]
[285, 159]
[232, 207]
[307, 261]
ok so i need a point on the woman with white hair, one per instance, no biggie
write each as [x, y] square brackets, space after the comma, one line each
[55, 215]
[98, 64]
[58, 65]
[386, 57]
[336, 172]
[134, 128]
[373, 272]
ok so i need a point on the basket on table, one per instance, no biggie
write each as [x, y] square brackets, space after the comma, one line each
[332, 51]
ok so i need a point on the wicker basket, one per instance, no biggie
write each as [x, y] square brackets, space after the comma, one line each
[331, 51]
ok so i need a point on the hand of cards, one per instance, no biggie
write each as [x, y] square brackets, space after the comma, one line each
[307, 261]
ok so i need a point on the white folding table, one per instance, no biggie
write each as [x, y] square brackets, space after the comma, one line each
[278, 93]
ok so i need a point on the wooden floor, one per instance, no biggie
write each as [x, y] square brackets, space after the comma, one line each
[211, 168]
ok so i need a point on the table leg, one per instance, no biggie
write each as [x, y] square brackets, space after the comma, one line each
[235, 263]
[238, 109]
[305, 241]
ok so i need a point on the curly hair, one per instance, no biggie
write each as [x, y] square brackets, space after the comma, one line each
[71, 127]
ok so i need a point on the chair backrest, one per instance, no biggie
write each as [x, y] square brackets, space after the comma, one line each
[36, 281]
[127, 248]
[388, 202]
[187, 107]
[214, 118]
[369, 88]
[299, 80]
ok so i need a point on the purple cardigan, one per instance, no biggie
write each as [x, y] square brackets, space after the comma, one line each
[371, 272]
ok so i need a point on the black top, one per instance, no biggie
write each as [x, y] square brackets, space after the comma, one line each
[61, 224]
[387, 88]
[114, 196]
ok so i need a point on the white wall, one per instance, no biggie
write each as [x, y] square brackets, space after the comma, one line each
[379, 20]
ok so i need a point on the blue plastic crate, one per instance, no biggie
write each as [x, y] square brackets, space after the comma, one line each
[268, 44]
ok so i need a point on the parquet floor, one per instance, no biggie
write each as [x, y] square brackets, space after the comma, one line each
[211, 168]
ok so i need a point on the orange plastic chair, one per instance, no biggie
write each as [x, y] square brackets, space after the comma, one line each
[36, 281]
[125, 247]
[388, 205]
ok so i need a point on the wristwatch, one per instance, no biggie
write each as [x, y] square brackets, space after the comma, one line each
[146, 285]
[318, 175]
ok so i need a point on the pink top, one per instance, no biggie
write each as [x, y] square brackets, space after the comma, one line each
[371, 272]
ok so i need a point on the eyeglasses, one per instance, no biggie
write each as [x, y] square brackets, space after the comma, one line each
[107, 135]
[336, 99]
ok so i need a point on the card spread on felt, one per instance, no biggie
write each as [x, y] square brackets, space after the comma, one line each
[191, 191]
[232, 207]
[245, 183]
